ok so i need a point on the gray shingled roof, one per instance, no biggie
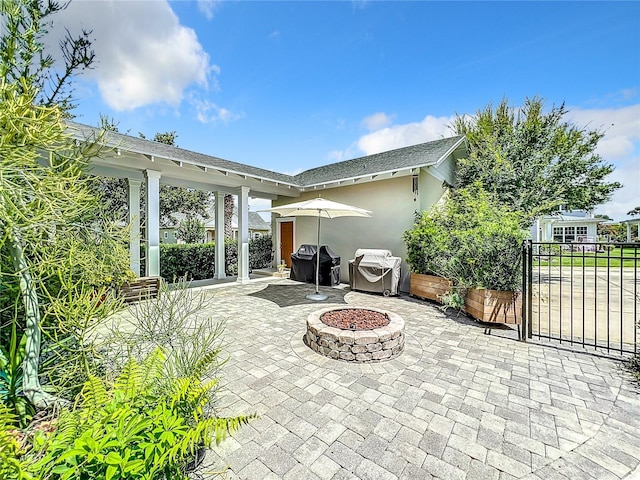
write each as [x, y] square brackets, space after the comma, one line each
[420, 155]
[149, 147]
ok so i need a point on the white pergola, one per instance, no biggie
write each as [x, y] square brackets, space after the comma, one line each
[154, 163]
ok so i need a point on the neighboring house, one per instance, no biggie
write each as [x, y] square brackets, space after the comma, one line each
[393, 185]
[258, 227]
[566, 226]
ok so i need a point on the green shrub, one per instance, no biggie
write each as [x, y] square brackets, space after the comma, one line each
[486, 241]
[11, 377]
[144, 425]
[427, 243]
[471, 240]
[197, 261]
[12, 467]
[260, 252]
[193, 261]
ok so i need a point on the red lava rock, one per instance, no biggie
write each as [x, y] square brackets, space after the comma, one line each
[355, 319]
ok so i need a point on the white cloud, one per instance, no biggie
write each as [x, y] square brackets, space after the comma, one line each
[620, 146]
[627, 172]
[620, 125]
[376, 121]
[210, 112]
[397, 136]
[209, 7]
[144, 55]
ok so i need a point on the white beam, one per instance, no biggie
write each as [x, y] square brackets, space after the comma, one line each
[153, 223]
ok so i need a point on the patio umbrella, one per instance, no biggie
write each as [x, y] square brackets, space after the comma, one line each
[321, 208]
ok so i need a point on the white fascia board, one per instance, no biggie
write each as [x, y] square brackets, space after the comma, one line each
[154, 157]
[450, 151]
[368, 176]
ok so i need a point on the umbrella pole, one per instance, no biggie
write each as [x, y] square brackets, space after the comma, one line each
[317, 295]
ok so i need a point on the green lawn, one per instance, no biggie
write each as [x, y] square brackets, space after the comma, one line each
[628, 257]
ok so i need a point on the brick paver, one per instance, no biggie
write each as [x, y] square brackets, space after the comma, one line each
[457, 404]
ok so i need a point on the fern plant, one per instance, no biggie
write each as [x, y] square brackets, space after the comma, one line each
[142, 426]
[11, 465]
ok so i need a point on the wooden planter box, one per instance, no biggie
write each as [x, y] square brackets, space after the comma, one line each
[494, 306]
[142, 288]
[430, 287]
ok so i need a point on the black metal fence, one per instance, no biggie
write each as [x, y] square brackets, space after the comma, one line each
[582, 294]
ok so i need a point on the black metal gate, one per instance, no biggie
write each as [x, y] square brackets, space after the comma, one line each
[582, 294]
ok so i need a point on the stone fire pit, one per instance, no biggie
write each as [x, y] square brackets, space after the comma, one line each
[352, 342]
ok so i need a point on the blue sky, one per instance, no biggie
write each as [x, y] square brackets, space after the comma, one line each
[293, 85]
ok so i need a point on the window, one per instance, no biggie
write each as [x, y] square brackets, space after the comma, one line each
[568, 234]
[166, 235]
[558, 234]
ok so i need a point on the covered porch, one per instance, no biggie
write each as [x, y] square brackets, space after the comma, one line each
[150, 163]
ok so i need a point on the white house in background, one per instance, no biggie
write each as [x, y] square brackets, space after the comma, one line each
[258, 227]
[566, 226]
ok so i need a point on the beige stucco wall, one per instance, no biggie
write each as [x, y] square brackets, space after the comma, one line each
[430, 190]
[392, 204]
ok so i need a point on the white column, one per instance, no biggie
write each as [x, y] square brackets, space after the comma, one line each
[153, 223]
[549, 232]
[219, 236]
[243, 234]
[134, 225]
[629, 232]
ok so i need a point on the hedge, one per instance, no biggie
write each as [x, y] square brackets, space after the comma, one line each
[197, 261]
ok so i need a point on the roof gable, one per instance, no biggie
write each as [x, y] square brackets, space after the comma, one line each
[414, 156]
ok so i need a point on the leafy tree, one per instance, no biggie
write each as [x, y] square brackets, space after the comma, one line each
[634, 212]
[603, 217]
[532, 161]
[229, 205]
[615, 232]
[191, 230]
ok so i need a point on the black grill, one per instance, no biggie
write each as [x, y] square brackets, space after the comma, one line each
[303, 265]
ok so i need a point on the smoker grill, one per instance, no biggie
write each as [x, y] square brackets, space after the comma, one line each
[303, 265]
[374, 270]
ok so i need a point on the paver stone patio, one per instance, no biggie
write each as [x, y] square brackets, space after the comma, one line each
[457, 404]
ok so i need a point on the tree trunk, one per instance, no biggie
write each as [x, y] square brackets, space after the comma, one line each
[228, 215]
[30, 383]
